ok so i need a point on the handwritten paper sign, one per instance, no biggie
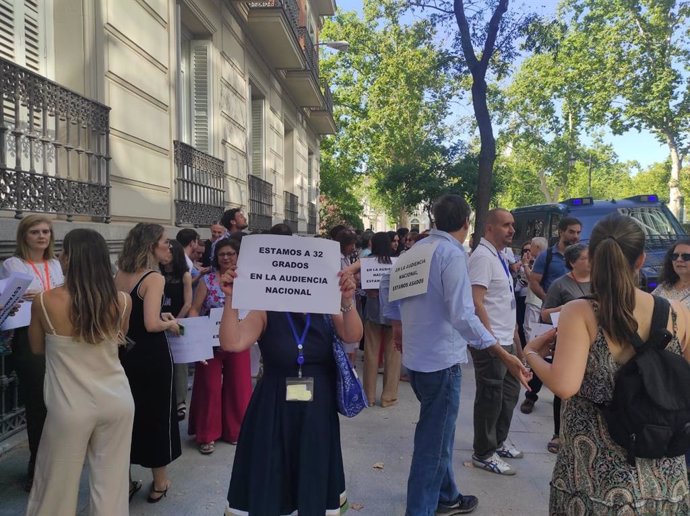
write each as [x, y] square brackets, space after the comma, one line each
[372, 271]
[410, 276]
[13, 288]
[288, 274]
[197, 342]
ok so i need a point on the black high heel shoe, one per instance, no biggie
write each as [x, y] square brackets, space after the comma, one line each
[163, 493]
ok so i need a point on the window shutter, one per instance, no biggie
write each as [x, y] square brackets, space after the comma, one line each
[201, 97]
[258, 138]
[23, 33]
[7, 37]
[33, 48]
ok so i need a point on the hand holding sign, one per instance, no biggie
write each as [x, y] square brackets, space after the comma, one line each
[227, 281]
[347, 286]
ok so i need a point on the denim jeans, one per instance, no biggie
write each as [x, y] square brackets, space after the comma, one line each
[431, 477]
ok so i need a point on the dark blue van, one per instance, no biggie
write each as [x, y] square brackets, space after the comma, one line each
[660, 226]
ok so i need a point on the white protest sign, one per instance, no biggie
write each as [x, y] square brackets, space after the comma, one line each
[554, 318]
[537, 329]
[410, 276]
[197, 342]
[13, 289]
[372, 271]
[288, 274]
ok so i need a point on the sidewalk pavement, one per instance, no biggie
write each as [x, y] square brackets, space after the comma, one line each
[377, 448]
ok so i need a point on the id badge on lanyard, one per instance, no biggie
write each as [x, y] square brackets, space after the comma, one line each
[300, 388]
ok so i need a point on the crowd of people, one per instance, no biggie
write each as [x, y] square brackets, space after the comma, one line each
[100, 384]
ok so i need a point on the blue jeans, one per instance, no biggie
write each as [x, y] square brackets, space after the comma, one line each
[431, 477]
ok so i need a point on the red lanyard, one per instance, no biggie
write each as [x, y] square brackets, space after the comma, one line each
[46, 284]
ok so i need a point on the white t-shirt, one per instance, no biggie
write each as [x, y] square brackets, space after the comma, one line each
[486, 270]
[38, 271]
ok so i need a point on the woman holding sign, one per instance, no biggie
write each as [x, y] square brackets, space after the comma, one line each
[222, 385]
[289, 457]
[34, 256]
[377, 333]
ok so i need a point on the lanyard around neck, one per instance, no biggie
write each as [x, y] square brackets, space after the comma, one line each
[299, 339]
[503, 264]
[46, 283]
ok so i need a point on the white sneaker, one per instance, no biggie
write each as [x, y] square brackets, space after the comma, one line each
[509, 452]
[494, 464]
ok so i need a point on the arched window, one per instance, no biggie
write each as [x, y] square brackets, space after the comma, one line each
[414, 225]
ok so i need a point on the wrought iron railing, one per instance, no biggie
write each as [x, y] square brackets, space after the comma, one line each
[12, 414]
[260, 203]
[327, 95]
[311, 222]
[310, 52]
[54, 154]
[200, 186]
[289, 7]
[291, 210]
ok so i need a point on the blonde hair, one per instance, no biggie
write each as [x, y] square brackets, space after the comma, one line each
[138, 247]
[22, 251]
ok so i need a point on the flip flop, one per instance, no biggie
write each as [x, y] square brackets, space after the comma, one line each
[554, 445]
[207, 448]
[134, 486]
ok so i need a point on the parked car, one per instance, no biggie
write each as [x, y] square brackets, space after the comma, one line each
[660, 226]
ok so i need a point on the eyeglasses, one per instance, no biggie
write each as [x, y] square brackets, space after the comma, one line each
[226, 255]
[684, 256]
[525, 251]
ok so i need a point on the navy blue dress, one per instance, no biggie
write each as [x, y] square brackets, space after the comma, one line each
[288, 456]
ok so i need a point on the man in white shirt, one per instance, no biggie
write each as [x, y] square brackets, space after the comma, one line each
[497, 390]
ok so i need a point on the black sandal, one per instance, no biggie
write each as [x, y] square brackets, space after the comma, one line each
[163, 493]
[181, 411]
[134, 486]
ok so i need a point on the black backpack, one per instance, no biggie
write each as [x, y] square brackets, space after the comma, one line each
[649, 414]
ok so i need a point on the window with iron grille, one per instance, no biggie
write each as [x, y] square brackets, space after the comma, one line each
[311, 224]
[260, 203]
[291, 210]
[200, 186]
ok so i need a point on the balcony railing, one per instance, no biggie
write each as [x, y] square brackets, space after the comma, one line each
[310, 52]
[327, 95]
[54, 154]
[12, 414]
[291, 210]
[260, 203]
[200, 186]
[311, 222]
[289, 7]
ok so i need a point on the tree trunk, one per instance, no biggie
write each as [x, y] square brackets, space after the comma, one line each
[675, 196]
[487, 156]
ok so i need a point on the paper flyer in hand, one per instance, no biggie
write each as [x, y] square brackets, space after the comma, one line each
[13, 288]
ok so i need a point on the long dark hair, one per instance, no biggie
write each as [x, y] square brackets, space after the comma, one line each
[94, 312]
[381, 247]
[668, 276]
[616, 243]
[178, 263]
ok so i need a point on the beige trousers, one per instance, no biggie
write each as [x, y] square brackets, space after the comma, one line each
[374, 336]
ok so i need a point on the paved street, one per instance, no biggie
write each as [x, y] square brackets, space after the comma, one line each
[376, 436]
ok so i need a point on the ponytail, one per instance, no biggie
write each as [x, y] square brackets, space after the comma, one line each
[616, 244]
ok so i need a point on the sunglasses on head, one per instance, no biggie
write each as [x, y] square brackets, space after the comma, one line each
[684, 256]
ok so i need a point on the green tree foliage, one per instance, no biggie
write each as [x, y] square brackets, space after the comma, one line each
[391, 91]
[624, 64]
